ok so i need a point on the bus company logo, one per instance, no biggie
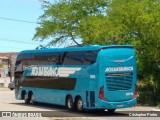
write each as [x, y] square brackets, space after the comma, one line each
[119, 69]
[43, 71]
[53, 71]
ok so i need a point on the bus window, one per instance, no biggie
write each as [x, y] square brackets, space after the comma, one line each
[74, 58]
[90, 57]
[80, 57]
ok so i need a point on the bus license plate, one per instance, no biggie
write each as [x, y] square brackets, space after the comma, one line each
[120, 106]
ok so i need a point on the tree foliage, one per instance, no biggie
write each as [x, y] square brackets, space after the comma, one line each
[61, 19]
[104, 22]
[135, 22]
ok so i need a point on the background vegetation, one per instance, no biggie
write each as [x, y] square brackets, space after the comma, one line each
[104, 22]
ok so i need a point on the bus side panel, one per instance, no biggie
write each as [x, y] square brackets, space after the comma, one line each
[85, 86]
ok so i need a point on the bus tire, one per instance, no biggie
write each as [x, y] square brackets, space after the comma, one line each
[79, 104]
[111, 110]
[32, 101]
[26, 100]
[70, 103]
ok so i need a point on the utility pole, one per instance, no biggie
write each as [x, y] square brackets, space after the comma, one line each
[10, 68]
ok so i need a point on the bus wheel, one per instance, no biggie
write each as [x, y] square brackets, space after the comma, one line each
[26, 100]
[79, 104]
[69, 103]
[32, 100]
[111, 110]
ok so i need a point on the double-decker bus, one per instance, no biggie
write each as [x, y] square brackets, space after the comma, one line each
[80, 78]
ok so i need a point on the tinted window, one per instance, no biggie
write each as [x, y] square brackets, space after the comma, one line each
[80, 57]
[58, 58]
[50, 82]
[90, 57]
[43, 58]
[49, 58]
[27, 59]
[55, 58]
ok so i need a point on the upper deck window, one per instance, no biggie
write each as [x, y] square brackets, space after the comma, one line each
[80, 58]
[58, 58]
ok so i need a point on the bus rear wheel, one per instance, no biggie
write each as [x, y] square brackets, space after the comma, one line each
[26, 100]
[32, 101]
[69, 103]
[79, 104]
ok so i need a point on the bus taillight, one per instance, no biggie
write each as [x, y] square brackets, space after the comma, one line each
[135, 92]
[101, 94]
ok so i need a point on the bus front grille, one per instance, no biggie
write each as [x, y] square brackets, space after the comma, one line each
[122, 81]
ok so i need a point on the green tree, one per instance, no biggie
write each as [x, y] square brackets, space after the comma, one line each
[139, 21]
[60, 21]
[135, 22]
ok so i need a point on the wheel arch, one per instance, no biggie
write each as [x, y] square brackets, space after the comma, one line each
[76, 98]
[67, 97]
[30, 93]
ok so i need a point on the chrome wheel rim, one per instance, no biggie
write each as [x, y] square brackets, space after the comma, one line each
[70, 103]
[32, 99]
[79, 104]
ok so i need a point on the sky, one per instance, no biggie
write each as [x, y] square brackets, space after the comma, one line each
[18, 20]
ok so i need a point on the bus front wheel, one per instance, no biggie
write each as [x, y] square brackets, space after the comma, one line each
[69, 103]
[79, 104]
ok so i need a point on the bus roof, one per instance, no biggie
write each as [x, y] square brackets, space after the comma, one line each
[83, 48]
